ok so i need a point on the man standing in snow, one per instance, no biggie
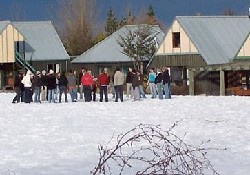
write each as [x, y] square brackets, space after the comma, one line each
[71, 77]
[118, 84]
[18, 88]
[166, 83]
[51, 86]
[129, 79]
[158, 82]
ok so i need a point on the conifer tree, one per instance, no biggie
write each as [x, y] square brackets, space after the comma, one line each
[111, 23]
[151, 11]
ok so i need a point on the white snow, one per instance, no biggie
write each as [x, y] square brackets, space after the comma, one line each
[62, 139]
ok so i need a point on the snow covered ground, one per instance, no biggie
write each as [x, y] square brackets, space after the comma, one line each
[62, 139]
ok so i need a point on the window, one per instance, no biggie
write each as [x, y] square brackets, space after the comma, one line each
[176, 39]
[54, 67]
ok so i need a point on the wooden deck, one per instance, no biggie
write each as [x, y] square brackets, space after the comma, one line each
[238, 91]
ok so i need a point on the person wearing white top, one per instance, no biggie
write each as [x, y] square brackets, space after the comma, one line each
[27, 87]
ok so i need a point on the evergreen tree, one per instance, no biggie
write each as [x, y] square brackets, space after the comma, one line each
[151, 11]
[111, 22]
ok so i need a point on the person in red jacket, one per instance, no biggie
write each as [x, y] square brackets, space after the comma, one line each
[103, 81]
[87, 82]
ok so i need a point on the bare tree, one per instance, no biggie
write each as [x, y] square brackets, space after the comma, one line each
[150, 150]
[75, 23]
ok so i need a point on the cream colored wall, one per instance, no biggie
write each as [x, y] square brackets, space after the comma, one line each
[7, 40]
[186, 45]
[245, 50]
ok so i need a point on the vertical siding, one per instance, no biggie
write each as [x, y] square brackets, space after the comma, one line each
[4, 47]
[7, 47]
[10, 44]
[178, 60]
[186, 46]
[1, 48]
[245, 50]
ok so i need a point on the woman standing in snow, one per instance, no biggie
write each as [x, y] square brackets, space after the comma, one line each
[103, 81]
[151, 82]
[27, 87]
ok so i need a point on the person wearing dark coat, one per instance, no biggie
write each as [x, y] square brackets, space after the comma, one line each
[63, 84]
[158, 82]
[51, 86]
[166, 83]
[135, 85]
[129, 79]
[37, 83]
[141, 80]
[18, 86]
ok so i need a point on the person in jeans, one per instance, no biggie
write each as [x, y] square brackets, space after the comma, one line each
[158, 82]
[166, 83]
[135, 85]
[103, 81]
[118, 84]
[141, 79]
[71, 77]
[63, 84]
[37, 82]
[44, 80]
[151, 82]
[51, 86]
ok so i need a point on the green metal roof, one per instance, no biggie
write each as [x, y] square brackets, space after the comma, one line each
[109, 50]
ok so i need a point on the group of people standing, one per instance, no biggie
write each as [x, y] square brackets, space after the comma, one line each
[51, 86]
[159, 82]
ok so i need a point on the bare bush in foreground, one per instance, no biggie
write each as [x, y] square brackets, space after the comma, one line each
[150, 150]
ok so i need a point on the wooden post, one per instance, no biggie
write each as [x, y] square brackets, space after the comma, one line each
[191, 82]
[222, 82]
[1, 79]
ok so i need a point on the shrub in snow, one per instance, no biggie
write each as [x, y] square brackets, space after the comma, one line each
[150, 150]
